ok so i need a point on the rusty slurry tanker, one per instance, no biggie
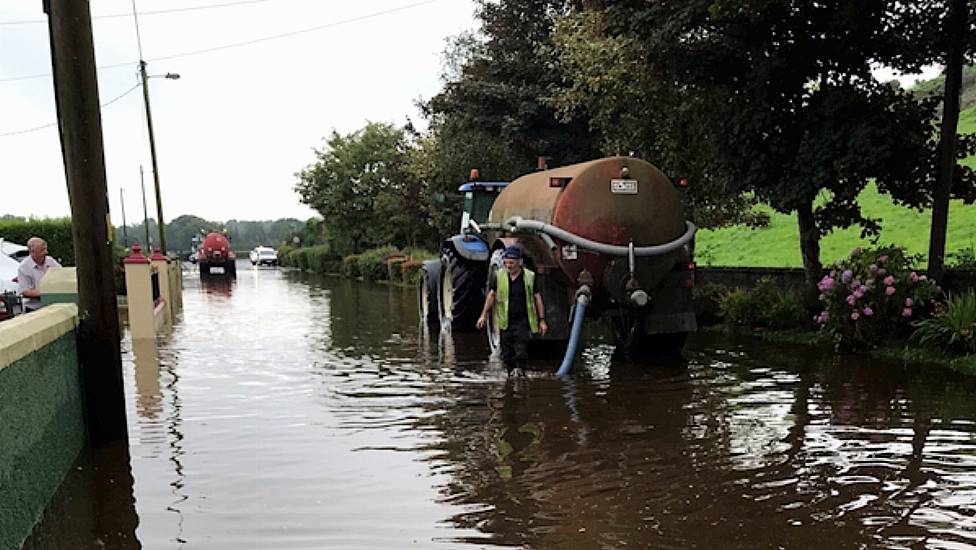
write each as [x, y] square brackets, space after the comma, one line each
[606, 238]
[215, 257]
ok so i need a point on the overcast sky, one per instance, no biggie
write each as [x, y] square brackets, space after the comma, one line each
[231, 133]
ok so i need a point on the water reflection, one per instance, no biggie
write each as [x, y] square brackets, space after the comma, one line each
[306, 412]
[93, 508]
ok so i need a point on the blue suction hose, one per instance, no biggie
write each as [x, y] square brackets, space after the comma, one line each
[582, 300]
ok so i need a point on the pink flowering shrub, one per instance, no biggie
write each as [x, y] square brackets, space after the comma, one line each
[872, 295]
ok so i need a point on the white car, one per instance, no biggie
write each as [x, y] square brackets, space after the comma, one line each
[8, 272]
[9, 290]
[264, 255]
[12, 249]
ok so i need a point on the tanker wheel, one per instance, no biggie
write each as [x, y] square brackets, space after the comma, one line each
[231, 269]
[427, 294]
[462, 292]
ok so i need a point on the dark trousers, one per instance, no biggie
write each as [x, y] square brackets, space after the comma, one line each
[515, 345]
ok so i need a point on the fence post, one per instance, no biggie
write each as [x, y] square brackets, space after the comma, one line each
[138, 289]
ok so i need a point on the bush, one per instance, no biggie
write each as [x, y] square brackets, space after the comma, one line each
[872, 295]
[952, 328]
[283, 252]
[350, 266]
[372, 263]
[964, 258]
[298, 258]
[765, 305]
[56, 231]
[410, 272]
[393, 267]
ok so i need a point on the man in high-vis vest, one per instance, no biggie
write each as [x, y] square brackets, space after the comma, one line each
[519, 312]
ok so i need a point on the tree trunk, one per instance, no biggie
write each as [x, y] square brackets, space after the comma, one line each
[957, 22]
[809, 244]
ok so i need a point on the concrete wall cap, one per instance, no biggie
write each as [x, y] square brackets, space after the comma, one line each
[26, 334]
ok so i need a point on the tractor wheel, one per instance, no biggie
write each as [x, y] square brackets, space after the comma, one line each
[491, 330]
[428, 293]
[462, 292]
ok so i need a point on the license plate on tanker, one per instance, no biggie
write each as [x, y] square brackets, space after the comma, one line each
[216, 271]
[623, 187]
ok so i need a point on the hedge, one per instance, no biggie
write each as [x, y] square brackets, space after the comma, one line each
[56, 231]
[386, 263]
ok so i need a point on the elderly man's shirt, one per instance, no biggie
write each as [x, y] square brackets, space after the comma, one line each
[29, 276]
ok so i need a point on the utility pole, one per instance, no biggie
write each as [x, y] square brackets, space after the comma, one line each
[80, 126]
[145, 211]
[152, 154]
[152, 135]
[125, 230]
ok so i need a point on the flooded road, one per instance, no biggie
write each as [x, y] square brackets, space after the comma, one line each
[294, 411]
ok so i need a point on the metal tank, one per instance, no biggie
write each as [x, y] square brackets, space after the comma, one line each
[615, 224]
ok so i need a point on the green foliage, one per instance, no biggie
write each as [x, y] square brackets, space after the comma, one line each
[494, 98]
[787, 116]
[371, 264]
[360, 187]
[410, 272]
[952, 329]
[936, 87]
[623, 107]
[764, 305]
[56, 231]
[872, 295]
[244, 235]
[773, 246]
[963, 258]
[350, 266]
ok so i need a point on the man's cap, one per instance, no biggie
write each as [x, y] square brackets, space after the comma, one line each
[513, 252]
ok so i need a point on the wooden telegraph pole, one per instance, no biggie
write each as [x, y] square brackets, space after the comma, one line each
[80, 125]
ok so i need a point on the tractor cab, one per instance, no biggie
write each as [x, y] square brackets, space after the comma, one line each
[479, 196]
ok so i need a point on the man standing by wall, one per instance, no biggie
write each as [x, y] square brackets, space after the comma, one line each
[32, 270]
[519, 311]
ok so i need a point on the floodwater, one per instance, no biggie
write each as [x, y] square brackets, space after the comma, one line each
[293, 411]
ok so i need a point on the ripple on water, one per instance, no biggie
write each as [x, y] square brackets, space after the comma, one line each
[289, 411]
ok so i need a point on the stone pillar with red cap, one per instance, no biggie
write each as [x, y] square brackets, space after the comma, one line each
[161, 265]
[138, 285]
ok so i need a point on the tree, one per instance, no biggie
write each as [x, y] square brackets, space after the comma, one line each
[631, 111]
[357, 185]
[795, 115]
[959, 41]
[502, 77]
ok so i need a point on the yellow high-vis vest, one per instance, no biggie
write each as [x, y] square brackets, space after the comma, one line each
[501, 299]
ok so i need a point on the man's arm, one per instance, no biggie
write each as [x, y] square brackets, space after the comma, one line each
[26, 283]
[489, 303]
[540, 310]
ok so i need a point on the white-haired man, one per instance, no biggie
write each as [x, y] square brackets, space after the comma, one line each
[32, 270]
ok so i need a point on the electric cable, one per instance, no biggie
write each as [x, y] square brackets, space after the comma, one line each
[38, 128]
[150, 12]
[244, 43]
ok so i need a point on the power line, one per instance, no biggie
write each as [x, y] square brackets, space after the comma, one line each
[244, 43]
[42, 127]
[151, 12]
[295, 33]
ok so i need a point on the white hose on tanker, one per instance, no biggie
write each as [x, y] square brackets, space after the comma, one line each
[517, 222]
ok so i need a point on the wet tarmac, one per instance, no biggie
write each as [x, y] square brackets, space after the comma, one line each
[293, 411]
